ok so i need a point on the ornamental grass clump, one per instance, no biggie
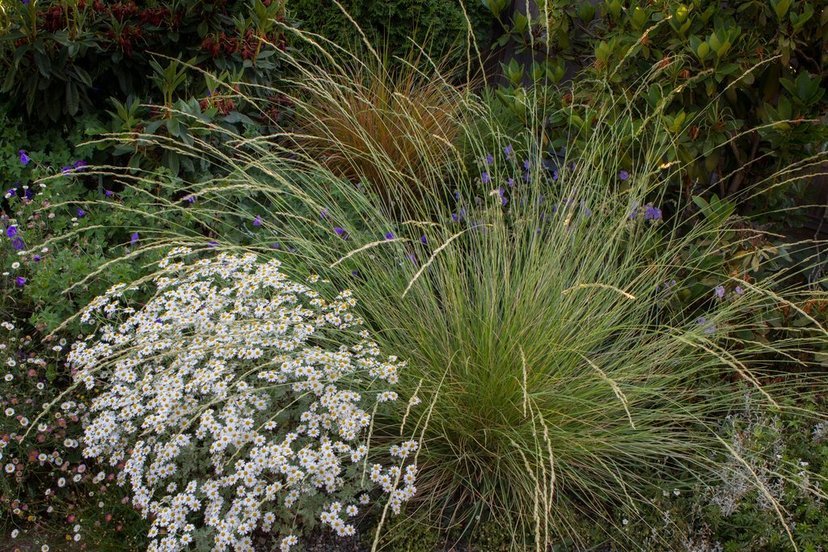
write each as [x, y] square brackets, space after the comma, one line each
[237, 400]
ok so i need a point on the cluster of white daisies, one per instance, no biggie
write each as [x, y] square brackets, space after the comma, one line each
[238, 399]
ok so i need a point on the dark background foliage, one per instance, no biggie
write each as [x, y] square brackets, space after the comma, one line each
[440, 24]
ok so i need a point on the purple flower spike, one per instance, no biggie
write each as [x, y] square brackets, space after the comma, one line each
[81, 213]
[11, 231]
[719, 291]
[20, 281]
[24, 157]
[624, 175]
[485, 178]
[17, 244]
[133, 239]
[389, 235]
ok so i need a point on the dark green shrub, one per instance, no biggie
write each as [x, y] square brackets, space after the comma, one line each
[743, 82]
[64, 58]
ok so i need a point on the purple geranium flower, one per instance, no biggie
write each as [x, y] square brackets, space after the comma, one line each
[257, 221]
[738, 290]
[133, 239]
[17, 243]
[707, 326]
[485, 178]
[651, 213]
[624, 175]
[508, 151]
[341, 232]
[81, 213]
[66, 169]
[212, 243]
[423, 240]
[526, 164]
[323, 214]
[20, 281]
[719, 291]
[37, 258]
[489, 159]
[190, 199]
[109, 193]
[389, 235]
[79, 164]
[11, 231]
[24, 157]
[511, 182]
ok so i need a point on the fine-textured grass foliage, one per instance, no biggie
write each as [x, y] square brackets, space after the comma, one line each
[389, 126]
[536, 300]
